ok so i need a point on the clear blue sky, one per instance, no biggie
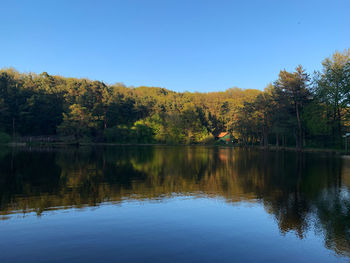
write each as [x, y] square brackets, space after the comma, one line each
[193, 45]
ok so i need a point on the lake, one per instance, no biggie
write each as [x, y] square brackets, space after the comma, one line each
[173, 204]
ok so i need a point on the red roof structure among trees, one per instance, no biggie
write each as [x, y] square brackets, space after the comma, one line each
[222, 134]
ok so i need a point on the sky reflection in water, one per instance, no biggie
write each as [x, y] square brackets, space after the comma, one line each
[173, 204]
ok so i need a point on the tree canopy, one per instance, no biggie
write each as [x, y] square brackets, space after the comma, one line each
[297, 109]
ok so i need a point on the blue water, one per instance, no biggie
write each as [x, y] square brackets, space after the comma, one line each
[156, 217]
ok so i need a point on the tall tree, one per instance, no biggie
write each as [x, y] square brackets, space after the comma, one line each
[292, 89]
[333, 89]
[77, 122]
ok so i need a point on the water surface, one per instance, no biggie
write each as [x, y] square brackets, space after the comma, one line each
[173, 204]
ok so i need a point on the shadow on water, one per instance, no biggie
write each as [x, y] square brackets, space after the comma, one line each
[298, 190]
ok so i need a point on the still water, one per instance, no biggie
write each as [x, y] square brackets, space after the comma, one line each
[173, 204]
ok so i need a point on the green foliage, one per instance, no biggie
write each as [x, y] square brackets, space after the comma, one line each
[288, 112]
[332, 90]
[138, 133]
[292, 91]
[4, 137]
[76, 122]
[143, 133]
[42, 104]
[316, 120]
[117, 134]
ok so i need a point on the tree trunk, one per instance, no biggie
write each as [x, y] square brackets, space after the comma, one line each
[13, 128]
[266, 140]
[299, 134]
[339, 126]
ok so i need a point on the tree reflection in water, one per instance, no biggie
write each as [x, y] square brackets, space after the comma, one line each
[299, 190]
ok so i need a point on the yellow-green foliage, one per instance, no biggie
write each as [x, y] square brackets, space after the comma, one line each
[289, 111]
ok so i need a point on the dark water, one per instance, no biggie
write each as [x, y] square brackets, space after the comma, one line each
[173, 204]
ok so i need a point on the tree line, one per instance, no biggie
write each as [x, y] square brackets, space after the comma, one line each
[298, 109]
[301, 109]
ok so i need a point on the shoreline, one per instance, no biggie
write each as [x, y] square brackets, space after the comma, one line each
[270, 148]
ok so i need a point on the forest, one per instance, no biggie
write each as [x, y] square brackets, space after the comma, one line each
[298, 109]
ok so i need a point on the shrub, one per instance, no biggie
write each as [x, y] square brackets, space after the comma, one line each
[4, 137]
